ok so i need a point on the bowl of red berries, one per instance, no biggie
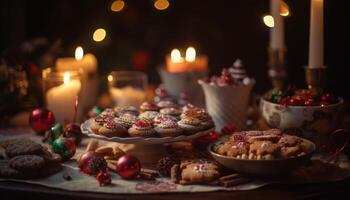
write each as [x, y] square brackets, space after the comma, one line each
[305, 112]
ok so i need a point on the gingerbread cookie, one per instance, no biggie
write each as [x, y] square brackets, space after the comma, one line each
[21, 147]
[142, 128]
[27, 163]
[198, 171]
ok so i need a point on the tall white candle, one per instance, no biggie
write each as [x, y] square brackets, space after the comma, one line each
[127, 96]
[316, 34]
[276, 32]
[61, 99]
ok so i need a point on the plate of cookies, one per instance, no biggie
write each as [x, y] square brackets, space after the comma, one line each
[151, 124]
[266, 153]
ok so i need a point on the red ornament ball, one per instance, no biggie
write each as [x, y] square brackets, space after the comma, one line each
[84, 159]
[73, 131]
[41, 120]
[103, 178]
[128, 167]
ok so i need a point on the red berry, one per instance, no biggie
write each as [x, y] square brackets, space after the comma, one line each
[104, 178]
[142, 124]
[295, 101]
[283, 101]
[226, 77]
[309, 102]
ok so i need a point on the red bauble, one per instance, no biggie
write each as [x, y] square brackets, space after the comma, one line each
[41, 120]
[73, 131]
[203, 141]
[128, 167]
[84, 160]
[103, 178]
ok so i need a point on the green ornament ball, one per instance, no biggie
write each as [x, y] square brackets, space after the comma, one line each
[65, 147]
[55, 132]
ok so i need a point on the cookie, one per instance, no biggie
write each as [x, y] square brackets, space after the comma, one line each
[171, 111]
[121, 110]
[290, 151]
[112, 128]
[166, 104]
[168, 128]
[127, 120]
[8, 172]
[142, 128]
[27, 163]
[198, 171]
[234, 149]
[108, 113]
[190, 125]
[149, 115]
[158, 119]
[97, 123]
[271, 138]
[148, 106]
[22, 147]
[289, 140]
[264, 148]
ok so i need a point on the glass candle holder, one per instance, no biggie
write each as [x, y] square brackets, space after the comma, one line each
[127, 87]
[61, 90]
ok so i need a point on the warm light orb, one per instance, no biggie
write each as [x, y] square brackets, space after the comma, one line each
[66, 77]
[117, 5]
[268, 20]
[284, 9]
[79, 53]
[99, 35]
[190, 54]
[161, 4]
[176, 56]
[110, 78]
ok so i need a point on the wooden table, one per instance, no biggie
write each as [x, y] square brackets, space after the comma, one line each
[11, 190]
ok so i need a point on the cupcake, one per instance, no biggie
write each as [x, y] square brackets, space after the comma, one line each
[171, 111]
[149, 115]
[168, 128]
[142, 128]
[112, 128]
[207, 123]
[190, 125]
[195, 112]
[148, 106]
[161, 117]
[121, 110]
[166, 104]
[97, 123]
[127, 120]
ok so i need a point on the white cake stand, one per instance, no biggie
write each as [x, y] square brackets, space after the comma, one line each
[147, 150]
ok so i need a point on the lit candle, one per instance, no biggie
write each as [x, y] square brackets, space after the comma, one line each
[87, 66]
[277, 31]
[127, 96]
[61, 99]
[176, 63]
[316, 34]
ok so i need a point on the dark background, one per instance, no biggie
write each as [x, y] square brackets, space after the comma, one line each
[139, 36]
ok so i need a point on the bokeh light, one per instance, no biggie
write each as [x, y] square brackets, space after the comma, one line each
[99, 35]
[161, 4]
[117, 5]
[284, 9]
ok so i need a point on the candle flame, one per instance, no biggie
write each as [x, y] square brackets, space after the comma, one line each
[284, 9]
[190, 54]
[269, 21]
[79, 53]
[176, 56]
[66, 78]
[110, 78]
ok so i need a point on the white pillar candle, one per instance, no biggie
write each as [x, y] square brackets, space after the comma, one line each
[277, 31]
[127, 96]
[61, 99]
[316, 34]
[87, 66]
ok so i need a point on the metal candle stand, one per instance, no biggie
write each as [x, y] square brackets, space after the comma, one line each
[277, 67]
[315, 78]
